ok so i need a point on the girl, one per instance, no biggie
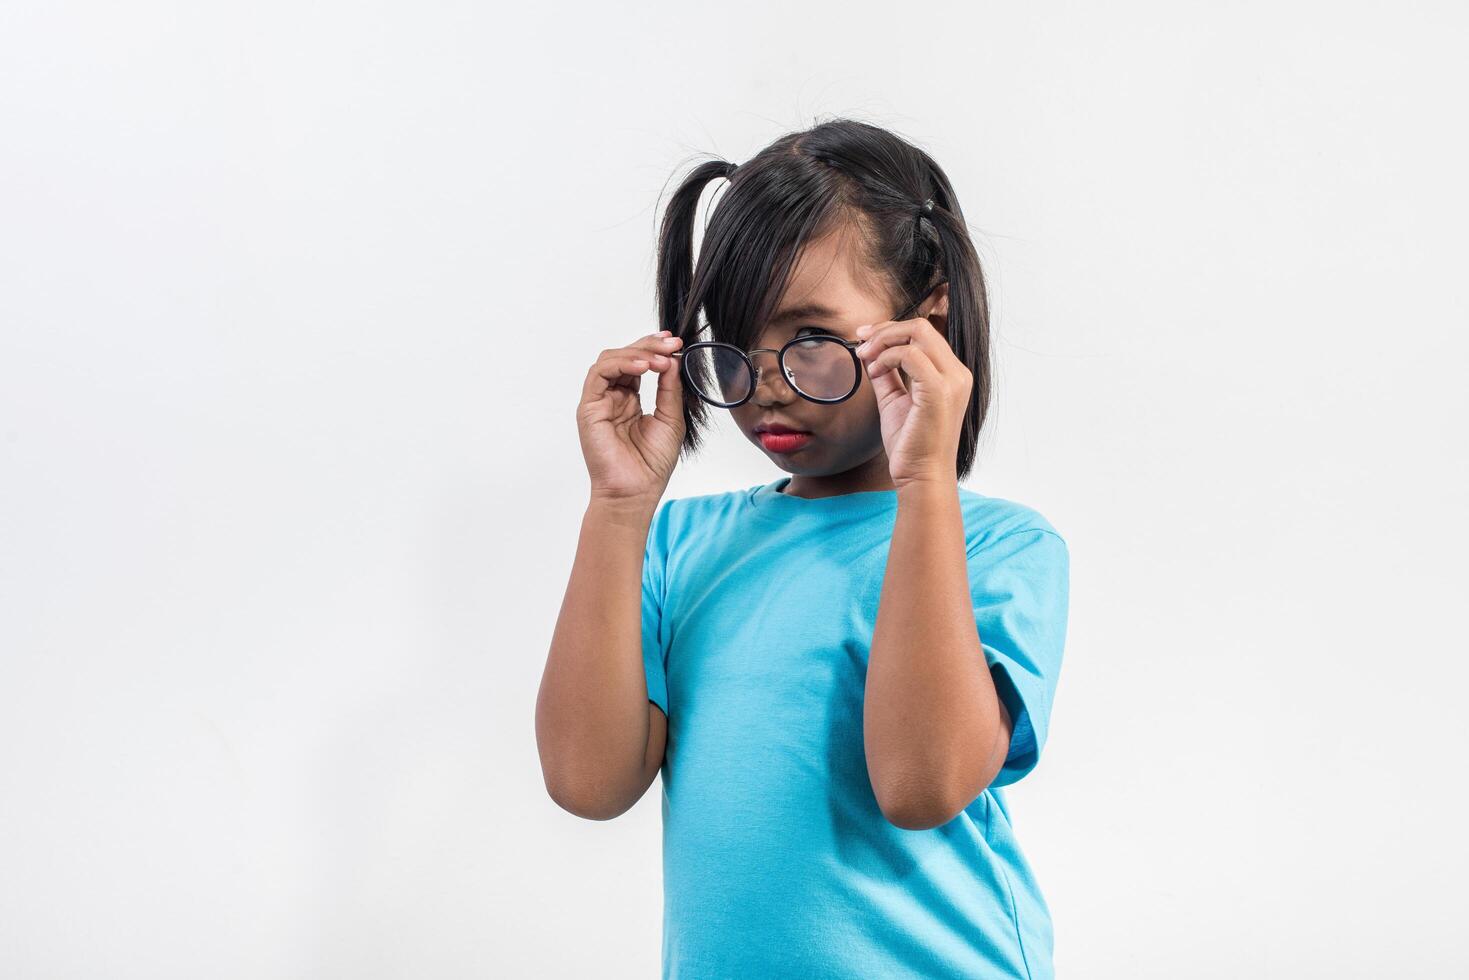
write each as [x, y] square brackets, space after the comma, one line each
[841, 667]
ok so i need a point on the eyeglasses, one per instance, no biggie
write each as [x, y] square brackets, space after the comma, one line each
[821, 368]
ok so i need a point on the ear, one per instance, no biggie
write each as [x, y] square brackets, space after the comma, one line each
[936, 307]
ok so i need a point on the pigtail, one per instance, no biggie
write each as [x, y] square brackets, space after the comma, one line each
[969, 313]
[677, 289]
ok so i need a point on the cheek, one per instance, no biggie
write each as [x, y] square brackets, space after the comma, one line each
[857, 417]
[864, 402]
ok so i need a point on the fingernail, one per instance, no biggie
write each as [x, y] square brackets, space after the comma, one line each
[863, 330]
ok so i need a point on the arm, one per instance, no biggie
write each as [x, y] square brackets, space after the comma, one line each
[600, 739]
[935, 730]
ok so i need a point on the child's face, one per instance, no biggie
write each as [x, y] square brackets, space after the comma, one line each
[843, 435]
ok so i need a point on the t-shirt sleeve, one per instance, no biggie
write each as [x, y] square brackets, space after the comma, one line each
[1020, 584]
[655, 564]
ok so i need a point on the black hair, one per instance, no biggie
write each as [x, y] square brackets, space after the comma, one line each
[838, 174]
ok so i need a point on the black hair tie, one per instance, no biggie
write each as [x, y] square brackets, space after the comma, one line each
[926, 209]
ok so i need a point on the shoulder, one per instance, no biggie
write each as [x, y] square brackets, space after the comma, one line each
[703, 512]
[989, 520]
[684, 509]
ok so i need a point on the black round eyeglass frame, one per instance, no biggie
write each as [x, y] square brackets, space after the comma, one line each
[780, 353]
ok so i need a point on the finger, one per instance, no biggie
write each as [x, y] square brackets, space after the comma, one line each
[913, 360]
[649, 349]
[887, 386]
[662, 361]
[622, 368]
[668, 402]
[919, 375]
[660, 341]
[654, 347]
[653, 343]
[926, 337]
[883, 343]
[878, 337]
[919, 333]
[919, 330]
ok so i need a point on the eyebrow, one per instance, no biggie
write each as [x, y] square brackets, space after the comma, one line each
[806, 311]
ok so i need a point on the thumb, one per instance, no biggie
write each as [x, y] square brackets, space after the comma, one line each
[886, 385]
[668, 403]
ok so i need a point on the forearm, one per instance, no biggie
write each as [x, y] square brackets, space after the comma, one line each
[932, 719]
[591, 713]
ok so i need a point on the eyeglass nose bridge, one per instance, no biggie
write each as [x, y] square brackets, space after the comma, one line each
[760, 371]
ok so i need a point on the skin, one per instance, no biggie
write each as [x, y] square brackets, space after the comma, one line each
[934, 730]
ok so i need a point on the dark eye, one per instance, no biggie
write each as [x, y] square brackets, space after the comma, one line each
[815, 331]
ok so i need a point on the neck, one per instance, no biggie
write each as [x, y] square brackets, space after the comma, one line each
[871, 475]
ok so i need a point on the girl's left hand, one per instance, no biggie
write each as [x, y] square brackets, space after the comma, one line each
[922, 419]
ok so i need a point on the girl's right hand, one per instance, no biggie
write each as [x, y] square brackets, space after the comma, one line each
[630, 456]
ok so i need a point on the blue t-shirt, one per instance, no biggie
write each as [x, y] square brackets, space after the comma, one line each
[758, 613]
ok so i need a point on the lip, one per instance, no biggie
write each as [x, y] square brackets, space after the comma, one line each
[778, 429]
[784, 442]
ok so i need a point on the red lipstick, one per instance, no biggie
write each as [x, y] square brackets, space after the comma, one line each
[783, 443]
[781, 438]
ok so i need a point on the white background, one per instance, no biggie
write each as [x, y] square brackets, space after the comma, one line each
[295, 306]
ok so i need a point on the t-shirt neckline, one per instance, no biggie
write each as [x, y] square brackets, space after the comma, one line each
[772, 501]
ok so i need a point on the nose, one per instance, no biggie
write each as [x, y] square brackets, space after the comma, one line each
[779, 391]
